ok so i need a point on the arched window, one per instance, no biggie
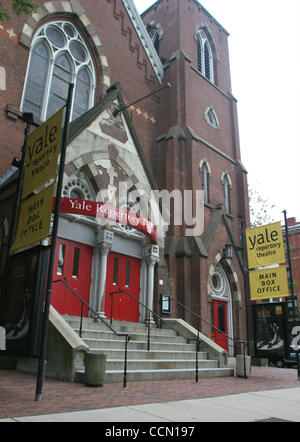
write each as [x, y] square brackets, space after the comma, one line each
[59, 56]
[226, 184]
[205, 56]
[205, 182]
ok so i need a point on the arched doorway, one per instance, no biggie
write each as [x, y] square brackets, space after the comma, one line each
[221, 309]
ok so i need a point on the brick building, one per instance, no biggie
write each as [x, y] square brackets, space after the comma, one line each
[294, 241]
[180, 139]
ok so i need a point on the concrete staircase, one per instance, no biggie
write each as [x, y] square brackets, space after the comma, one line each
[170, 356]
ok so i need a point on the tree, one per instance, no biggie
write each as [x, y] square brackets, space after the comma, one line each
[19, 7]
[260, 208]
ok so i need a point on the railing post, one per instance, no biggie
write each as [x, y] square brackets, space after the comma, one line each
[111, 307]
[197, 365]
[245, 368]
[127, 339]
[149, 332]
[81, 319]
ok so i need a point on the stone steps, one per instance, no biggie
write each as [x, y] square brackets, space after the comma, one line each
[170, 356]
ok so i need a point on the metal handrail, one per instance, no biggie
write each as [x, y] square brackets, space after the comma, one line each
[96, 315]
[234, 341]
[197, 340]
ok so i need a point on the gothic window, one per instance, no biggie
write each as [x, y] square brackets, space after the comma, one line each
[205, 56]
[226, 184]
[205, 178]
[59, 56]
[154, 35]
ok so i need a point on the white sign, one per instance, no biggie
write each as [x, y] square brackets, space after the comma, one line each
[296, 341]
[2, 339]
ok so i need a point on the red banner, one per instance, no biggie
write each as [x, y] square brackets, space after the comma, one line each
[102, 210]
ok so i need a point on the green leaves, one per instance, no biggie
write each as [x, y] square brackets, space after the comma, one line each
[19, 7]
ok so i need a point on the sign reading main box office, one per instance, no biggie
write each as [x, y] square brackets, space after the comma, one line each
[42, 154]
[34, 219]
[265, 246]
[269, 283]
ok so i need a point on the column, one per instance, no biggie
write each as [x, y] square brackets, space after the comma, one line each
[152, 258]
[105, 240]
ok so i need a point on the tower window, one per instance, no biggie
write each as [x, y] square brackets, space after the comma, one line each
[58, 57]
[205, 177]
[205, 56]
[226, 184]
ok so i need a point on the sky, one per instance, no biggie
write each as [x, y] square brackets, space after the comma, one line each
[264, 46]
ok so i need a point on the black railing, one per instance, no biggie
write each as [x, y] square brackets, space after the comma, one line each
[161, 320]
[97, 316]
[224, 337]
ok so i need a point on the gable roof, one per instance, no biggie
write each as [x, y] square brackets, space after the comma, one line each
[81, 123]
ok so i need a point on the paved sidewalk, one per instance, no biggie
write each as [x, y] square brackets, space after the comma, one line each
[269, 393]
[266, 406]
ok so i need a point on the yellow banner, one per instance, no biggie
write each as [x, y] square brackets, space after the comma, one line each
[34, 220]
[268, 283]
[265, 246]
[42, 154]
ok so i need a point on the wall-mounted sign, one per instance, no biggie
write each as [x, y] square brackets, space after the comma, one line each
[268, 283]
[265, 245]
[111, 213]
[43, 147]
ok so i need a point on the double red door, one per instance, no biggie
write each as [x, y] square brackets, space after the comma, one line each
[123, 272]
[73, 263]
[219, 320]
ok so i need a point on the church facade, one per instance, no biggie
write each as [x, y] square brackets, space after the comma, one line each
[169, 165]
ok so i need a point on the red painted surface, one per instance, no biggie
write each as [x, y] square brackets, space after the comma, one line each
[124, 307]
[76, 270]
[221, 323]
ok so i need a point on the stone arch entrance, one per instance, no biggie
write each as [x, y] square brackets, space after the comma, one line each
[223, 291]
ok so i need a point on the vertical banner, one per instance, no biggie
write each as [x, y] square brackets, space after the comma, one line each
[43, 147]
[265, 245]
[271, 330]
[34, 219]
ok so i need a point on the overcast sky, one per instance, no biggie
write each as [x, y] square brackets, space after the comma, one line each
[264, 47]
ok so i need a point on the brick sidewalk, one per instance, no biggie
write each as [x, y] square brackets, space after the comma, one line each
[17, 391]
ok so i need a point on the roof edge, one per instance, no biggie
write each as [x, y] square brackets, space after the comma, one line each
[144, 38]
[199, 5]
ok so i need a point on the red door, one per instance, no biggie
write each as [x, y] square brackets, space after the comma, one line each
[123, 272]
[219, 320]
[73, 263]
